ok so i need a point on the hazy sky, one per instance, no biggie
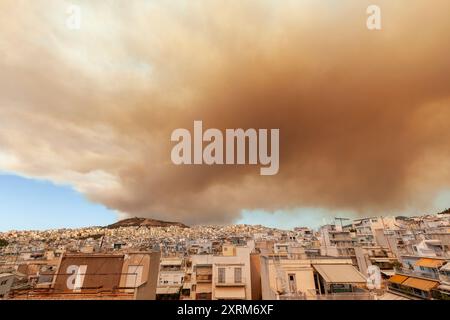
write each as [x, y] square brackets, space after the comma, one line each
[363, 115]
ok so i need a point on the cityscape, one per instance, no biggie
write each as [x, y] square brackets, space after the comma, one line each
[211, 158]
[145, 259]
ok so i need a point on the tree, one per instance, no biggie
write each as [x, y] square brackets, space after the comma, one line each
[3, 243]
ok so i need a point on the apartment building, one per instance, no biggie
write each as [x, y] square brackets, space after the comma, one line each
[198, 279]
[443, 291]
[422, 278]
[365, 229]
[132, 275]
[429, 248]
[171, 278]
[309, 278]
[6, 282]
[231, 275]
[285, 277]
[378, 256]
[336, 242]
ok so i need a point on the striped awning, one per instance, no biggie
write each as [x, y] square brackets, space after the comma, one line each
[421, 284]
[339, 273]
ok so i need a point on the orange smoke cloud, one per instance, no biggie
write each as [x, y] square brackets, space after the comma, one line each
[362, 114]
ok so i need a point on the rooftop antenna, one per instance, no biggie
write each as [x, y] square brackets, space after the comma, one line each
[341, 219]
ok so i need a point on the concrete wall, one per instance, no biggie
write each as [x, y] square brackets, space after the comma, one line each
[267, 293]
[147, 291]
[7, 280]
[255, 271]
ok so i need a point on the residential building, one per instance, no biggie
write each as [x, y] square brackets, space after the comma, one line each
[101, 276]
[231, 273]
[171, 278]
[6, 282]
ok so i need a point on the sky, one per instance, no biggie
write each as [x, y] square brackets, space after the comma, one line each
[363, 115]
[29, 204]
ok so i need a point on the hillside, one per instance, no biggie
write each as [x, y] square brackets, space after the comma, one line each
[144, 222]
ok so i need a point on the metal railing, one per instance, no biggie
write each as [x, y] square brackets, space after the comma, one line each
[230, 283]
[408, 272]
[313, 295]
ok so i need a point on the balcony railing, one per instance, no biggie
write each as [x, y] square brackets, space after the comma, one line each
[312, 295]
[228, 283]
[413, 273]
[203, 278]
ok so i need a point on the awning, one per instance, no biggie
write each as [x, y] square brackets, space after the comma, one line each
[429, 263]
[167, 290]
[339, 273]
[171, 262]
[421, 284]
[230, 293]
[388, 272]
[398, 278]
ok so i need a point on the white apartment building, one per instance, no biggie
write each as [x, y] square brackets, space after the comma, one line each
[335, 242]
[171, 272]
[365, 228]
[429, 248]
[308, 278]
[231, 273]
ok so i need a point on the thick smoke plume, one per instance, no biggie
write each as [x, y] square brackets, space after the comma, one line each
[363, 115]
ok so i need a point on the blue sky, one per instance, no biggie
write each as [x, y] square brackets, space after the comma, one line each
[27, 204]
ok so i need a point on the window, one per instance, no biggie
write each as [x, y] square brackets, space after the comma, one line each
[237, 275]
[292, 283]
[221, 272]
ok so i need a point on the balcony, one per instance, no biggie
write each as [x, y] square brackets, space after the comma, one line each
[204, 278]
[228, 283]
[407, 272]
